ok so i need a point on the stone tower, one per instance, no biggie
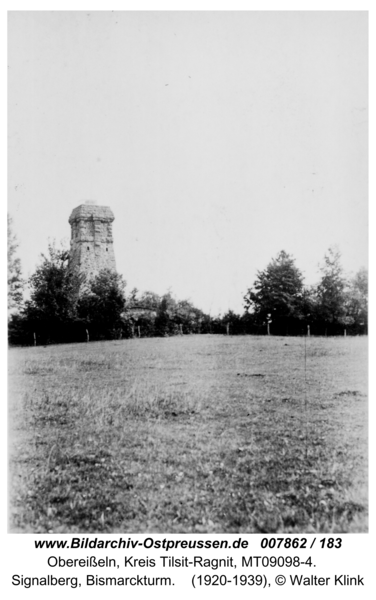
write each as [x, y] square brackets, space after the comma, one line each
[91, 241]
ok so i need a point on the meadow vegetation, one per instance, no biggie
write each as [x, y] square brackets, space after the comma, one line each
[199, 433]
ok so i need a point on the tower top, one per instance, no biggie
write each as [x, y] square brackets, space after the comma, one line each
[91, 211]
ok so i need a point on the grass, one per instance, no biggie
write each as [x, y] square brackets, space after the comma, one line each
[189, 434]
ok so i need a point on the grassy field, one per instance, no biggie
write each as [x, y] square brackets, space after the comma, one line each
[189, 434]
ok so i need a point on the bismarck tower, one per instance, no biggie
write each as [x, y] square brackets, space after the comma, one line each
[92, 247]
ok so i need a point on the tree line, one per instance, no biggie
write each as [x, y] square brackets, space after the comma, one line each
[64, 306]
[336, 305]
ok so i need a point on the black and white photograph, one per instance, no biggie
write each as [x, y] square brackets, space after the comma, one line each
[188, 272]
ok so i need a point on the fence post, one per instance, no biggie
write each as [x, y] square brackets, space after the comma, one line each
[35, 339]
[268, 321]
[87, 335]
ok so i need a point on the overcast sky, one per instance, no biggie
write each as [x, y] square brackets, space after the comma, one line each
[218, 139]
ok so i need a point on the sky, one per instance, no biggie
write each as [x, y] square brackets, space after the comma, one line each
[217, 139]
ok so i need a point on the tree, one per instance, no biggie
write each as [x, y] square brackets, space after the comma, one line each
[356, 301]
[55, 288]
[331, 297]
[277, 294]
[149, 300]
[188, 318]
[132, 299]
[15, 281]
[164, 322]
[102, 304]
[233, 323]
[54, 293]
